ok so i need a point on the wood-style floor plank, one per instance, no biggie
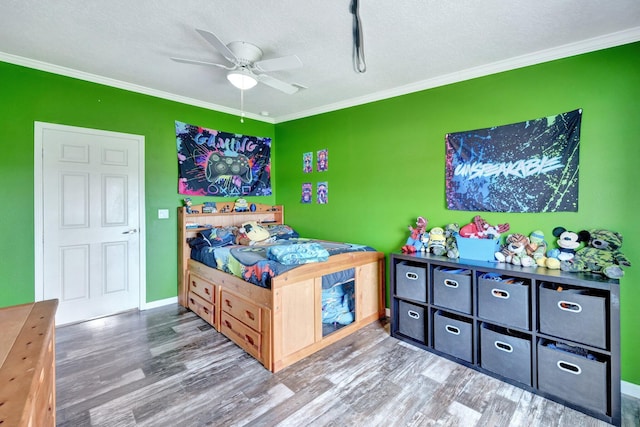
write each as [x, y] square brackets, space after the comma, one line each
[167, 367]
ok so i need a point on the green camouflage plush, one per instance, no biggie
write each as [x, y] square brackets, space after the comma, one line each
[451, 244]
[602, 255]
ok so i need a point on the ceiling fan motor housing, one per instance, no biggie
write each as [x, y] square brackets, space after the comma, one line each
[246, 53]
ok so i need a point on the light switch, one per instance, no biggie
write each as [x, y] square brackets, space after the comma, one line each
[163, 213]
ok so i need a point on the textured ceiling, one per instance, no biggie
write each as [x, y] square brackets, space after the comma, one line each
[409, 45]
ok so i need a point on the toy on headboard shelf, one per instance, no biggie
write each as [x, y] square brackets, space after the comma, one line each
[241, 205]
[187, 204]
[209, 207]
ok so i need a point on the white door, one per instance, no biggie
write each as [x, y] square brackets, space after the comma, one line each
[91, 218]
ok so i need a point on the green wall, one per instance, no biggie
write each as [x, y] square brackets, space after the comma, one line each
[386, 160]
[27, 95]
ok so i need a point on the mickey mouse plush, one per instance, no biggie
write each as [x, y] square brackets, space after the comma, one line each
[568, 242]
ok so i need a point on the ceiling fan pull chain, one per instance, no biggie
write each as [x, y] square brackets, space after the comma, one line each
[359, 63]
[241, 105]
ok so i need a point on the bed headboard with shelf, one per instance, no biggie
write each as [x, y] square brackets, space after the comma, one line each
[225, 215]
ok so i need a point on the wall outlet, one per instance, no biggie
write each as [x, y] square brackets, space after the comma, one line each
[163, 213]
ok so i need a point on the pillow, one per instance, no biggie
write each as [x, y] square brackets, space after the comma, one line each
[282, 232]
[252, 233]
[218, 236]
[255, 231]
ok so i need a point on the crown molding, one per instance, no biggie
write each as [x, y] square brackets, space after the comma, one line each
[94, 78]
[584, 46]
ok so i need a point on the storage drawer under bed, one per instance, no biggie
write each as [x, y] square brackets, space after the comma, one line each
[203, 288]
[243, 310]
[202, 308]
[248, 339]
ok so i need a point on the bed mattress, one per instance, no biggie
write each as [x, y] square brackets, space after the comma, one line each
[257, 264]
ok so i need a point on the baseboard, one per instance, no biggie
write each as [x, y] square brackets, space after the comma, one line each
[630, 389]
[387, 312]
[159, 303]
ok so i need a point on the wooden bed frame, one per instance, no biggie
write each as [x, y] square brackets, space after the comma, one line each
[281, 325]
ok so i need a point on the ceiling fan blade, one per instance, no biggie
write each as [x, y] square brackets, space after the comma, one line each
[275, 64]
[277, 84]
[217, 43]
[195, 61]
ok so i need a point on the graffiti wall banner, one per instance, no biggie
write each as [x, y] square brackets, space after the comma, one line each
[530, 166]
[216, 163]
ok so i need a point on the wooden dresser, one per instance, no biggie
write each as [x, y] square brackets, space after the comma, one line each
[28, 365]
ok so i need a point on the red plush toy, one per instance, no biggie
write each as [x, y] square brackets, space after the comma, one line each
[481, 229]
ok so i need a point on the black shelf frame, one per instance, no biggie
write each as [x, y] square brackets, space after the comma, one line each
[534, 276]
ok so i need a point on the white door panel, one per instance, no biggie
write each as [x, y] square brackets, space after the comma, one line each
[114, 203]
[74, 275]
[90, 222]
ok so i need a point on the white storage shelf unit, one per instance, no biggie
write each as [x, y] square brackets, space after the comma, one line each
[553, 333]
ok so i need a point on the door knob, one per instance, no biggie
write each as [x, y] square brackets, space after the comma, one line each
[132, 231]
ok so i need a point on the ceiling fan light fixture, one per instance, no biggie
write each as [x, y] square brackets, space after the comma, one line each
[241, 79]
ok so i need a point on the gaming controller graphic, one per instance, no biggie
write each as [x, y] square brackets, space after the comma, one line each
[218, 165]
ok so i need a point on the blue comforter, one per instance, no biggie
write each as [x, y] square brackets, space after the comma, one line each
[253, 263]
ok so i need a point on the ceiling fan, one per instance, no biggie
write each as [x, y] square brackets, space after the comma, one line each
[247, 64]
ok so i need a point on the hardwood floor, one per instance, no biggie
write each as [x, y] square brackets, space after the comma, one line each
[167, 367]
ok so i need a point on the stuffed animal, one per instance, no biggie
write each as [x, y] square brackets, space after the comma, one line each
[424, 239]
[537, 247]
[252, 233]
[568, 242]
[488, 231]
[414, 242]
[470, 231]
[450, 231]
[601, 255]
[479, 228]
[241, 205]
[513, 247]
[525, 258]
[437, 241]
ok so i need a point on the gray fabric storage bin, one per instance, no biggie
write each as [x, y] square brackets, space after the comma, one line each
[452, 290]
[506, 355]
[504, 303]
[573, 314]
[573, 378]
[412, 321]
[453, 336]
[411, 282]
